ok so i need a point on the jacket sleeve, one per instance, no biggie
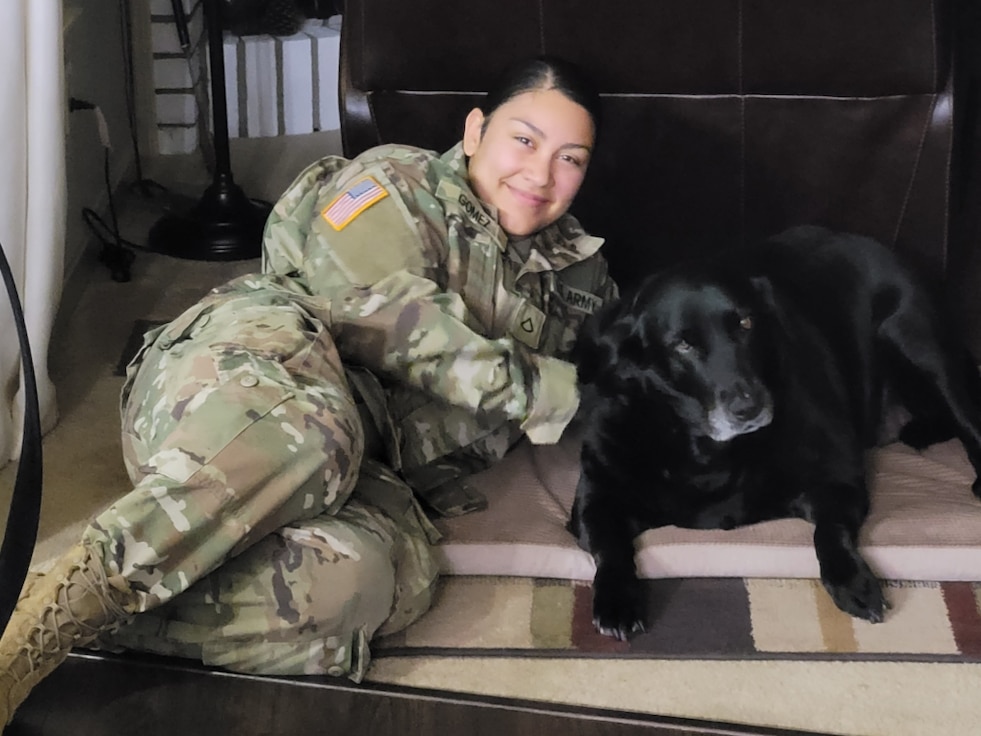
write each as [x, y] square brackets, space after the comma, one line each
[406, 329]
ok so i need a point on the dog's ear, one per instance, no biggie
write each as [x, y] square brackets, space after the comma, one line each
[599, 341]
[772, 320]
[768, 303]
[764, 290]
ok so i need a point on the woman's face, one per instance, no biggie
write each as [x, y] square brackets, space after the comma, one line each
[531, 159]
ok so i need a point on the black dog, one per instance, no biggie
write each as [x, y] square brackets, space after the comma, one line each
[748, 387]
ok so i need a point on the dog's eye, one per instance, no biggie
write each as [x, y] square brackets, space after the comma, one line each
[682, 347]
[746, 323]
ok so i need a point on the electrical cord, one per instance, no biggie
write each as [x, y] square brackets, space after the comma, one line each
[124, 23]
[114, 254]
[147, 187]
[118, 253]
[105, 233]
[20, 535]
[198, 85]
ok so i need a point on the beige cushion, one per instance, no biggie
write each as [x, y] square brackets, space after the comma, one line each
[925, 524]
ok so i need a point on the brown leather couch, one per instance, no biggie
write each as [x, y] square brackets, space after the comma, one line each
[725, 120]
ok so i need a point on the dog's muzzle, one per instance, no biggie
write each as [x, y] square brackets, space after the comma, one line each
[741, 409]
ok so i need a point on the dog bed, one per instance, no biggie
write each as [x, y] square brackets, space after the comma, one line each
[924, 524]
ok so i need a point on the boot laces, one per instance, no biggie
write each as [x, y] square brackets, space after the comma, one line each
[59, 627]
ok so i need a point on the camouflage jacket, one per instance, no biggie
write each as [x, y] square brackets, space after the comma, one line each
[450, 329]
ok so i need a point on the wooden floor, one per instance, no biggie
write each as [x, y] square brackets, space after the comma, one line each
[95, 695]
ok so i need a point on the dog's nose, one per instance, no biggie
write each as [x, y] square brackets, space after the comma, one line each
[744, 403]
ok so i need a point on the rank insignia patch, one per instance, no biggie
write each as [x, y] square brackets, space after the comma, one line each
[352, 202]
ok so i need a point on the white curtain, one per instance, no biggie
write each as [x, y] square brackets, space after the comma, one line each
[32, 197]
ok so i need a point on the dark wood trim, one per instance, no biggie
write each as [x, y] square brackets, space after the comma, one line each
[94, 694]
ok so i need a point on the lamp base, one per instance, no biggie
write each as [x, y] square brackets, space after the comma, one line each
[224, 225]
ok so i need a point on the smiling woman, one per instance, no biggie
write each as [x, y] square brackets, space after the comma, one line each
[529, 174]
[529, 146]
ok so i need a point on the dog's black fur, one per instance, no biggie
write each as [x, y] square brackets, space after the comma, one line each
[748, 387]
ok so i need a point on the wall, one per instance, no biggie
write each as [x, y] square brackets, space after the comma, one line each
[94, 71]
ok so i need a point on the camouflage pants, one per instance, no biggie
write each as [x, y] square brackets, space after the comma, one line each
[257, 536]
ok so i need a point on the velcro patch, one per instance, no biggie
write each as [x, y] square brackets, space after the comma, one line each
[353, 201]
[579, 299]
[527, 323]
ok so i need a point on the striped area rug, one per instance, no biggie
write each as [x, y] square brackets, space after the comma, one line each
[696, 618]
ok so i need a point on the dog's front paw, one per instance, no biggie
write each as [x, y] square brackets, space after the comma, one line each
[618, 605]
[860, 595]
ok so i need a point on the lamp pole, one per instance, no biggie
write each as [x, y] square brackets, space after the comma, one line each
[224, 225]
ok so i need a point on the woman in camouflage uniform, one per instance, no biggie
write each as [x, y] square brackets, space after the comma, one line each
[412, 321]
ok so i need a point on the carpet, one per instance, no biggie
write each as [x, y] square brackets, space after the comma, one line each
[694, 618]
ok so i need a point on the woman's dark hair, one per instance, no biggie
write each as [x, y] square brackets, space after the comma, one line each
[542, 73]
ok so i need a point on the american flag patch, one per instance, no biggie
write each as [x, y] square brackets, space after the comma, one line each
[353, 201]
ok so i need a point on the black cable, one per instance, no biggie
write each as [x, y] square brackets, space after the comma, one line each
[112, 202]
[104, 232]
[147, 187]
[114, 254]
[199, 83]
[20, 535]
[124, 24]
[116, 257]
[180, 19]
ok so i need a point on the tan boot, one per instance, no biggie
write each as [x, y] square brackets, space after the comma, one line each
[68, 606]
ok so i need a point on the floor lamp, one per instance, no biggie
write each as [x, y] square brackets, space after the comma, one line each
[224, 225]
